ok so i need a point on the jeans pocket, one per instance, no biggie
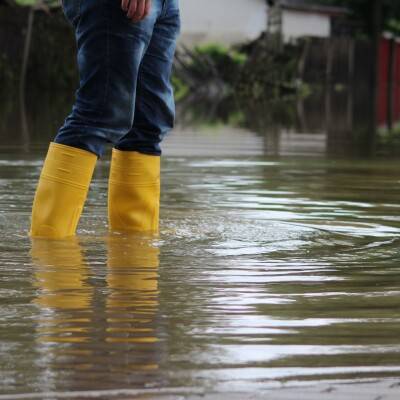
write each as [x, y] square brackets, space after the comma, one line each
[72, 11]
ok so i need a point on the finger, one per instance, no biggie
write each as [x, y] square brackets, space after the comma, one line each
[124, 5]
[147, 8]
[139, 11]
[132, 8]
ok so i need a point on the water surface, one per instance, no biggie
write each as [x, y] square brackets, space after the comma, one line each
[268, 270]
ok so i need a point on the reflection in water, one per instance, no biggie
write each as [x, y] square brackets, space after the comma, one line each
[335, 122]
[124, 325]
[61, 275]
[133, 282]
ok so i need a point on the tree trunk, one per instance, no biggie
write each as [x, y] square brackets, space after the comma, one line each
[22, 84]
[376, 18]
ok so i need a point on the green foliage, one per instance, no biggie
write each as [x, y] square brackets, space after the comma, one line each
[52, 41]
[389, 141]
[223, 61]
[269, 74]
[181, 89]
[7, 75]
[59, 70]
[26, 2]
[222, 54]
[49, 3]
[393, 25]
[390, 138]
[251, 72]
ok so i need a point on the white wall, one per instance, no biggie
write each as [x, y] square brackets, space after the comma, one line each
[225, 21]
[296, 24]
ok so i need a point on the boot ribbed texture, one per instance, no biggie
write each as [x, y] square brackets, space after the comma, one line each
[134, 192]
[62, 191]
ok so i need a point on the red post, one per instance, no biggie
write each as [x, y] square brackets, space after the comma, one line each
[396, 82]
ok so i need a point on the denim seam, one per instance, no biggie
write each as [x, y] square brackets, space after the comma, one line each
[78, 18]
[107, 58]
[163, 8]
[138, 87]
[80, 11]
[138, 90]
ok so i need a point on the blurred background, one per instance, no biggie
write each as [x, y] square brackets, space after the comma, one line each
[303, 76]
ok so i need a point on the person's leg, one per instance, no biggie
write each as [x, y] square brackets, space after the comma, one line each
[134, 185]
[155, 107]
[110, 50]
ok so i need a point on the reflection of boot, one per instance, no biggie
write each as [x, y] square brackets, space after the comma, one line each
[61, 274]
[64, 296]
[134, 192]
[61, 191]
[133, 282]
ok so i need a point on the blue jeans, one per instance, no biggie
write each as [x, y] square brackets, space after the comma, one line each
[125, 95]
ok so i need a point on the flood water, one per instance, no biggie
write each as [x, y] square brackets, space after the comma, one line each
[270, 269]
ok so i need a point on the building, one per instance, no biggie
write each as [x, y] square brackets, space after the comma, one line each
[293, 19]
[237, 21]
[223, 21]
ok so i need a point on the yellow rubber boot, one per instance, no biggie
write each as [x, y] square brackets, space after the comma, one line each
[134, 192]
[61, 191]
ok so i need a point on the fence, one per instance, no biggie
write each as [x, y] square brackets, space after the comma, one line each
[350, 62]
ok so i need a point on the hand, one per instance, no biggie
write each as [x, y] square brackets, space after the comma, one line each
[136, 10]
